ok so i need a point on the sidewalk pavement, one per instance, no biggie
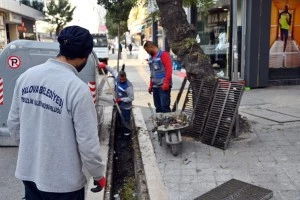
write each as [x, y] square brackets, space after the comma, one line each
[266, 156]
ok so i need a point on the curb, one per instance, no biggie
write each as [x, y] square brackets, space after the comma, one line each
[155, 185]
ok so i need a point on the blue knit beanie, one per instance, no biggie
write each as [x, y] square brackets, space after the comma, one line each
[75, 42]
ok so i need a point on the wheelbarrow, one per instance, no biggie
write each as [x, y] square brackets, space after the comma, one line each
[169, 125]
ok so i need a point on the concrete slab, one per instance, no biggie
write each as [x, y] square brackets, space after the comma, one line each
[271, 115]
[294, 112]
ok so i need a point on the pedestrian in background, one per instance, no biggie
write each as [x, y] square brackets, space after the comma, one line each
[54, 121]
[112, 49]
[160, 64]
[130, 48]
[124, 96]
[285, 19]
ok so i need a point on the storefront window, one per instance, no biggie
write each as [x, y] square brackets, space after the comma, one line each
[284, 35]
[213, 33]
[2, 33]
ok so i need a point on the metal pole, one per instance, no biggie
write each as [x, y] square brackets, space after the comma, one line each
[154, 31]
[119, 43]
[235, 57]
[234, 53]
[244, 22]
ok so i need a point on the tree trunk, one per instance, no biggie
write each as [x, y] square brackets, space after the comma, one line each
[58, 29]
[182, 39]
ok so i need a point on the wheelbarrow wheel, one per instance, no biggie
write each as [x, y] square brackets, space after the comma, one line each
[159, 138]
[174, 147]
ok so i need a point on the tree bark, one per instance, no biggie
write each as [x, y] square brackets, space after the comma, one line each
[182, 39]
[57, 30]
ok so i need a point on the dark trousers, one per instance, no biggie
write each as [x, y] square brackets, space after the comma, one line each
[33, 193]
[126, 124]
[284, 37]
[284, 34]
[162, 100]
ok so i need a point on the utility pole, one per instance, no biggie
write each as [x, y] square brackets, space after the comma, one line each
[119, 52]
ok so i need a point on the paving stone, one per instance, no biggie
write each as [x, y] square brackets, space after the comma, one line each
[286, 186]
[189, 179]
[204, 178]
[269, 156]
[170, 172]
[295, 112]
[172, 185]
[172, 179]
[174, 194]
[270, 115]
[223, 177]
[189, 172]
[202, 165]
[290, 194]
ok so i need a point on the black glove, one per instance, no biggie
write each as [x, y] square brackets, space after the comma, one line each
[100, 184]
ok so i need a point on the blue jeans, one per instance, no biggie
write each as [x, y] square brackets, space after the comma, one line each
[33, 193]
[162, 100]
[126, 115]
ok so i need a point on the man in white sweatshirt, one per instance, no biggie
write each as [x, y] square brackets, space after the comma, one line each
[54, 121]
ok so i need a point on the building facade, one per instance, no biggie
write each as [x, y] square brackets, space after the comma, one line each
[17, 20]
[243, 39]
[246, 36]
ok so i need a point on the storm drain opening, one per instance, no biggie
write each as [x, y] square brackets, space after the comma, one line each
[124, 165]
[237, 190]
[124, 186]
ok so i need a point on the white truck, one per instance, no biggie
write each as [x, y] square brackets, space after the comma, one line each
[101, 46]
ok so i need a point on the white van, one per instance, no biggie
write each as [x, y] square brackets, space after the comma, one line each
[101, 46]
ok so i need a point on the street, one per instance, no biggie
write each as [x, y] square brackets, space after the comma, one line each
[12, 189]
[267, 156]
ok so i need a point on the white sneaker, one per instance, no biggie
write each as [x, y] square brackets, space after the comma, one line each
[220, 74]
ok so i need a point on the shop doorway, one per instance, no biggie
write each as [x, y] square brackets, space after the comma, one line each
[284, 53]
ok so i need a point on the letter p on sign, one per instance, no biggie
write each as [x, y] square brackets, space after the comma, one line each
[14, 62]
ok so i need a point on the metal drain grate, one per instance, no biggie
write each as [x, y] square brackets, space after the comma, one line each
[237, 190]
[197, 103]
[222, 114]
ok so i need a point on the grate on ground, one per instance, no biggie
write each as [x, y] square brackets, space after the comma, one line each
[237, 190]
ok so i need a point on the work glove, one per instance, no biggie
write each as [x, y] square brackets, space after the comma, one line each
[102, 65]
[165, 87]
[100, 184]
[118, 100]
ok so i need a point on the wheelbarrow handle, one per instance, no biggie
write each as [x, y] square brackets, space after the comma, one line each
[153, 118]
[151, 110]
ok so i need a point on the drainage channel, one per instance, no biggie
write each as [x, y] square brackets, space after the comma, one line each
[125, 172]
